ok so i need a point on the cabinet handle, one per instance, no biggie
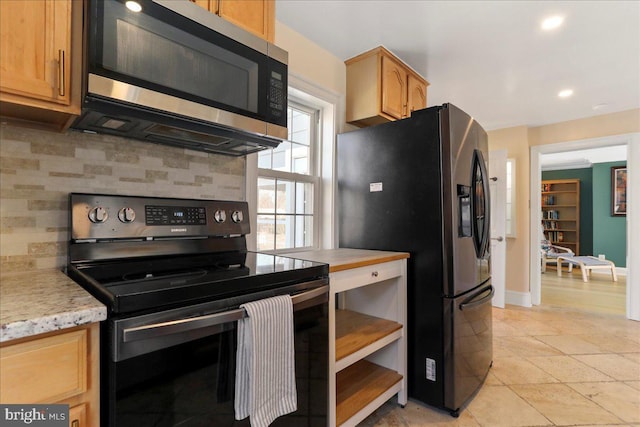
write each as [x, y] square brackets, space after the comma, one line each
[75, 423]
[61, 73]
[374, 274]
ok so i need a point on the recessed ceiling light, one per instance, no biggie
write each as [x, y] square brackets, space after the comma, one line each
[552, 22]
[565, 93]
[133, 6]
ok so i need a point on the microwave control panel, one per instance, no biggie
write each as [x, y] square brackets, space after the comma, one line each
[277, 97]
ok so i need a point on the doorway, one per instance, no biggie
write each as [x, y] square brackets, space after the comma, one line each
[632, 143]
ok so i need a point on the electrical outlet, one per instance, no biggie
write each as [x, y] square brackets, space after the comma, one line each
[601, 256]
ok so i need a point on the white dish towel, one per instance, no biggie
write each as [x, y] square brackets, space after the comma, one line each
[265, 362]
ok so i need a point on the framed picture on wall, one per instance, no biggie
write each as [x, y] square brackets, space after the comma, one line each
[618, 191]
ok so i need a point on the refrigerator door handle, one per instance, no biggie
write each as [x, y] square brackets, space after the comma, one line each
[470, 303]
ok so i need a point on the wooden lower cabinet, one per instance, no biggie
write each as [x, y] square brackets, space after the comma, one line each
[58, 367]
[78, 416]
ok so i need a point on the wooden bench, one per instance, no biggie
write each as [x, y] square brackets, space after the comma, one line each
[586, 264]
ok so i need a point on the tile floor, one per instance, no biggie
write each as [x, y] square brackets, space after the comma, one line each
[552, 367]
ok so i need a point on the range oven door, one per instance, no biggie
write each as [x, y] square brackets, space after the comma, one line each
[183, 373]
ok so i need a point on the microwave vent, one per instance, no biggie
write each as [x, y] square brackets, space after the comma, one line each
[187, 135]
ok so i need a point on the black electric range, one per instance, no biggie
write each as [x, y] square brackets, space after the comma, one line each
[173, 273]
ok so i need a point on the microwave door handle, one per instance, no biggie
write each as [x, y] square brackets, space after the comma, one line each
[192, 323]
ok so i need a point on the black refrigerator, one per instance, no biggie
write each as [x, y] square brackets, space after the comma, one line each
[420, 185]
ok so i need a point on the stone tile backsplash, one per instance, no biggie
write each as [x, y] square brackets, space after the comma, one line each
[38, 170]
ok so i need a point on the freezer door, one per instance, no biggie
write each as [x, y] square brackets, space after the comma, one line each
[468, 336]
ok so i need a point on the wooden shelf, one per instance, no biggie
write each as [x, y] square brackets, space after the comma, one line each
[561, 198]
[367, 342]
[358, 335]
[359, 385]
[355, 331]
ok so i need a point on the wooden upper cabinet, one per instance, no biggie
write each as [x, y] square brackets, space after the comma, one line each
[255, 16]
[381, 88]
[35, 49]
[416, 94]
[394, 88]
[37, 62]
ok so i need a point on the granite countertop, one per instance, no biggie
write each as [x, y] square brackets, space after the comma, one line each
[33, 303]
[346, 259]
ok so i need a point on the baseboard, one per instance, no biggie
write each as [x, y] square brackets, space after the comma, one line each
[523, 299]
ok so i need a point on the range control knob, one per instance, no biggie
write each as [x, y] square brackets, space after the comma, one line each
[126, 215]
[237, 216]
[220, 216]
[98, 215]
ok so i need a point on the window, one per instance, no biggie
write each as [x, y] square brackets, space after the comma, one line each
[511, 196]
[288, 184]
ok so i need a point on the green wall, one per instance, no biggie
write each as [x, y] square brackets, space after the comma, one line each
[586, 203]
[609, 232]
[600, 233]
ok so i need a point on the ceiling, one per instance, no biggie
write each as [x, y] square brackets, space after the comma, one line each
[491, 58]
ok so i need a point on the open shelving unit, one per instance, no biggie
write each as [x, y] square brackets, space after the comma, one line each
[561, 212]
[367, 324]
[370, 348]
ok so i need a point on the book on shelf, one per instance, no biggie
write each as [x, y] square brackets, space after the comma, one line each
[550, 225]
[549, 200]
[546, 187]
[555, 236]
[550, 214]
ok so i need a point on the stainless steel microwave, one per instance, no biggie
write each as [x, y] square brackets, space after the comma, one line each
[170, 72]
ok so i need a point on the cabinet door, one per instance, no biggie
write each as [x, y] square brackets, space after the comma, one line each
[393, 88]
[206, 4]
[26, 375]
[256, 16]
[35, 49]
[78, 416]
[416, 94]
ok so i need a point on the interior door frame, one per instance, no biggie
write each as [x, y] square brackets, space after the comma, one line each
[632, 141]
[498, 247]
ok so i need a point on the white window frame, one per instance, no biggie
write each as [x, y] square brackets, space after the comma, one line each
[511, 207]
[331, 105]
[312, 178]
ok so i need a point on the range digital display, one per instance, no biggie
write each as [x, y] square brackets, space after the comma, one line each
[175, 215]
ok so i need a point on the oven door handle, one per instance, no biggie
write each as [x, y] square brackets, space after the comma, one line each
[184, 325]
